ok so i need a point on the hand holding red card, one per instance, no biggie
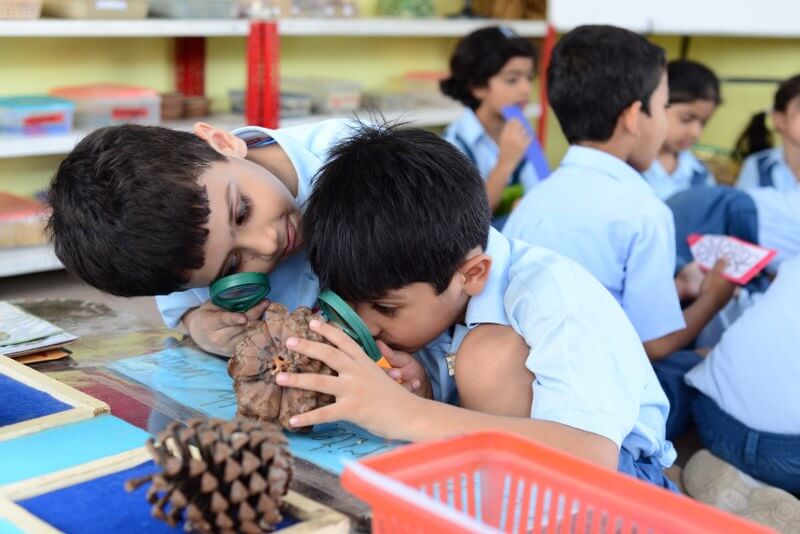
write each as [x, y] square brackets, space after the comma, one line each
[745, 260]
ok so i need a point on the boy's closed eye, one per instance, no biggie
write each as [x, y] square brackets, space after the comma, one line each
[388, 311]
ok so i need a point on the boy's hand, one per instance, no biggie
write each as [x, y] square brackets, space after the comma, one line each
[716, 288]
[514, 141]
[217, 330]
[689, 281]
[365, 395]
[407, 370]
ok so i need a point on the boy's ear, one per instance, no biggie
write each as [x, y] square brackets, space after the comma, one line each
[629, 119]
[475, 271]
[222, 141]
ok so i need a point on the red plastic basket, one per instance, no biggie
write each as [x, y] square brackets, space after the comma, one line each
[499, 482]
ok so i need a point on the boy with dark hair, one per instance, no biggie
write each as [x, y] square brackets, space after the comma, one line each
[399, 225]
[608, 89]
[142, 210]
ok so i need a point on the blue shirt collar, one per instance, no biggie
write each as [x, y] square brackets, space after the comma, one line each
[488, 307]
[603, 162]
[305, 164]
[469, 128]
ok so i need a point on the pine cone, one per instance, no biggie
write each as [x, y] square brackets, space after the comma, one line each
[232, 480]
[262, 354]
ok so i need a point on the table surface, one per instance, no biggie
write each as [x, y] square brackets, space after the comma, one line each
[107, 336]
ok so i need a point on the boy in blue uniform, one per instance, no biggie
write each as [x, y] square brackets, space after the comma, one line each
[148, 211]
[747, 411]
[398, 225]
[493, 68]
[693, 99]
[768, 166]
[608, 89]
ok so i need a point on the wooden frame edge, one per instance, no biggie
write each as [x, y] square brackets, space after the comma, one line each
[23, 519]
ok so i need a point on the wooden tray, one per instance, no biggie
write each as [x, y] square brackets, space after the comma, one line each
[82, 406]
[313, 517]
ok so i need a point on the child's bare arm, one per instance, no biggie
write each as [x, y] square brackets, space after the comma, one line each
[491, 376]
[366, 396]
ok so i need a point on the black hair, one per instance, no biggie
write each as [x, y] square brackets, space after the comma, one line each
[757, 136]
[690, 81]
[128, 213]
[479, 56]
[390, 208]
[595, 73]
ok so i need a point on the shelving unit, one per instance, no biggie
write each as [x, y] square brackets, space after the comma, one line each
[291, 27]
[25, 260]
[17, 147]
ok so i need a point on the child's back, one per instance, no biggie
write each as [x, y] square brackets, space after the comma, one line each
[597, 210]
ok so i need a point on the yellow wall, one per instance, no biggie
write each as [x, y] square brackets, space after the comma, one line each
[36, 65]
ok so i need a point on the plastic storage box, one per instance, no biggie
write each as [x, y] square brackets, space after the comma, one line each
[20, 9]
[490, 482]
[328, 96]
[96, 9]
[195, 9]
[35, 115]
[102, 105]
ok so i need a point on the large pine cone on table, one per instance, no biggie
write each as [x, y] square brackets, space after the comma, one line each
[262, 354]
[220, 476]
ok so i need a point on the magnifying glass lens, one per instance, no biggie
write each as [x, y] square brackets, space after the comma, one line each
[239, 292]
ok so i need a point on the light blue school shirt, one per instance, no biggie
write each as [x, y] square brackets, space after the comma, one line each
[468, 135]
[689, 172]
[597, 210]
[293, 282]
[591, 371]
[767, 168]
[752, 373]
[778, 221]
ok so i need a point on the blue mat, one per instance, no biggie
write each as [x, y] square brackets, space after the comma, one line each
[67, 446]
[200, 381]
[23, 403]
[102, 505]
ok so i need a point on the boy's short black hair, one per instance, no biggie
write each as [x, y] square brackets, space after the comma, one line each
[128, 211]
[690, 81]
[393, 207]
[479, 56]
[595, 73]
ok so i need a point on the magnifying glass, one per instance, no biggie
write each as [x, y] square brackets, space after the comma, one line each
[337, 311]
[241, 291]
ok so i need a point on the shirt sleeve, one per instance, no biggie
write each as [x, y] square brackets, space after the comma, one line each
[649, 297]
[173, 306]
[579, 379]
[434, 359]
[748, 176]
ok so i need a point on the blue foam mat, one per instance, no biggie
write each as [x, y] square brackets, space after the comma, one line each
[67, 446]
[103, 506]
[23, 403]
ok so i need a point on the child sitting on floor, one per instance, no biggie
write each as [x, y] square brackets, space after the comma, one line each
[693, 99]
[765, 166]
[399, 225]
[493, 68]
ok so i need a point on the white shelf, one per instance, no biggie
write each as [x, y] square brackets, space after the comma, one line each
[774, 18]
[26, 260]
[16, 147]
[357, 27]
